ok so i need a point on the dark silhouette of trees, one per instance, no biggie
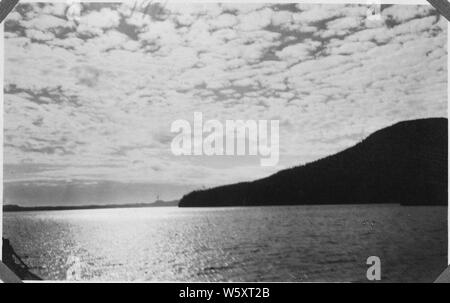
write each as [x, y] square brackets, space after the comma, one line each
[405, 164]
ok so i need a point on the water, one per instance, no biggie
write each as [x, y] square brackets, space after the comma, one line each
[291, 243]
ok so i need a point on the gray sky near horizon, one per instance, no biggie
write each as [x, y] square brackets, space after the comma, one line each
[89, 103]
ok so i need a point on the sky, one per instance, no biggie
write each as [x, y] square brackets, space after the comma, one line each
[91, 90]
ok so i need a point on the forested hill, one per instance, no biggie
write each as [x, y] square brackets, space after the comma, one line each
[405, 163]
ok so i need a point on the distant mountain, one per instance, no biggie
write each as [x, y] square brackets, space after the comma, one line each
[405, 163]
[158, 203]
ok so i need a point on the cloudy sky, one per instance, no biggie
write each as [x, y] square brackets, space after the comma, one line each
[91, 91]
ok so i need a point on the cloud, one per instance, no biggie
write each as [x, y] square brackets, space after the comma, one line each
[255, 20]
[95, 99]
[406, 12]
[97, 21]
[39, 35]
[348, 48]
[317, 13]
[87, 75]
[223, 21]
[341, 26]
[14, 17]
[43, 22]
[297, 52]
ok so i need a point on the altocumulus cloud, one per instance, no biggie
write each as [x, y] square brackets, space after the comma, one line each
[94, 97]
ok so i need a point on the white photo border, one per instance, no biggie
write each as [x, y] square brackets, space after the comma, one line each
[368, 2]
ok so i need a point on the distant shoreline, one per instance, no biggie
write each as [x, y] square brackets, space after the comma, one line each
[17, 208]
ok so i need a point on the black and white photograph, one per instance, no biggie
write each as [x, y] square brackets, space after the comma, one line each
[148, 141]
